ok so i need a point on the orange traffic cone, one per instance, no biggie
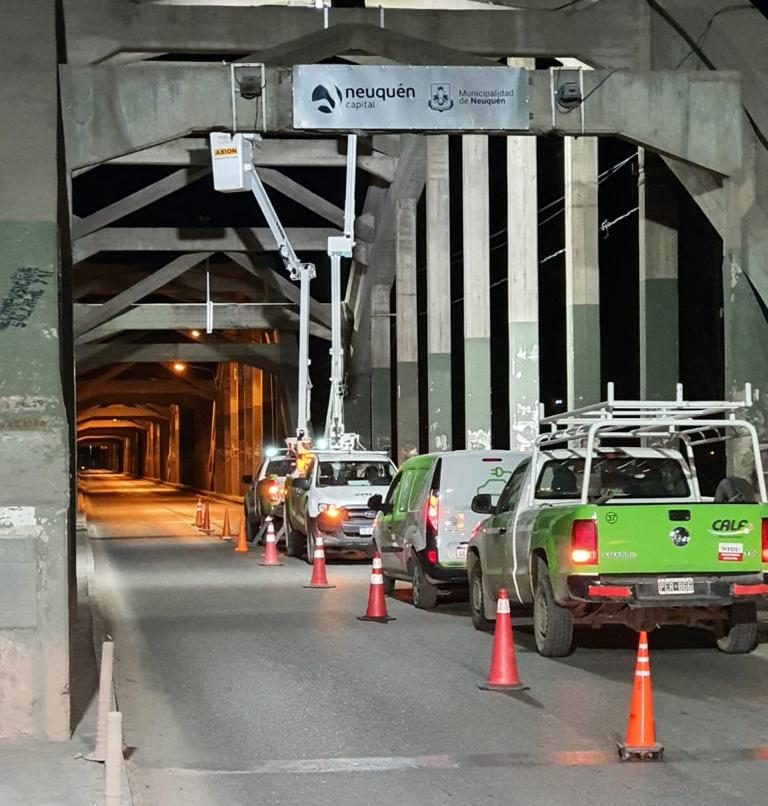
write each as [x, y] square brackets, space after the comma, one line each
[206, 527]
[241, 544]
[199, 513]
[226, 529]
[640, 742]
[503, 673]
[377, 605]
[270, 551]
[319, 578]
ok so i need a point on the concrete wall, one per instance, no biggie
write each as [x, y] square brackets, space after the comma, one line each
[34, 433]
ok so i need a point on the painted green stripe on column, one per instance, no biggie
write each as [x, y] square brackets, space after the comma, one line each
[584, 363]
[659, 349]
[439, 401]
[381, 410]
[523, 385]
[407, 409]
[477, 393]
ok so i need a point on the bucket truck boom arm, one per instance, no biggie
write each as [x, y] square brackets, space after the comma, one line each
[233, 171]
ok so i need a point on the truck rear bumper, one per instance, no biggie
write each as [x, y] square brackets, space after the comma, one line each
[639, 592]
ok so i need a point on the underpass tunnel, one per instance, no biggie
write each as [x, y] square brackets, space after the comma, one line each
[197, 425]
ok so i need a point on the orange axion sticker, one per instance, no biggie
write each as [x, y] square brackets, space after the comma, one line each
[224, 152]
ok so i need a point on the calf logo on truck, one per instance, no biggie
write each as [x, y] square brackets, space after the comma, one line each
[726, 528]
[680, 536]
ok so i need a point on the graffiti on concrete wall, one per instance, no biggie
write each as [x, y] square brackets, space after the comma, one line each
[27, 286]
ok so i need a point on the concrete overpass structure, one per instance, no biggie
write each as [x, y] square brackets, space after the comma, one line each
[97, 307]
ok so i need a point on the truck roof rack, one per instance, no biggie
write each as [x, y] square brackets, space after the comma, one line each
[698, 422]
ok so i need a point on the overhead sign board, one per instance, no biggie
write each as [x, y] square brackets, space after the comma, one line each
[379, 97]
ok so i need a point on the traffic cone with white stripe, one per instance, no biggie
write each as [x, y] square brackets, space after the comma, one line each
[503, 673]
[270, 549]
[377, 604]
[199, 513]
[319, 578]
[640, 742]
[226, 529]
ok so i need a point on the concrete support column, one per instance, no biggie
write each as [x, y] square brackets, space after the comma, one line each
[381, 372]
[407, 331]
[659, 319]
[522, 286]
[439, 293]
[172, 468]
[582, 278]
[253, 436]
[477, 311]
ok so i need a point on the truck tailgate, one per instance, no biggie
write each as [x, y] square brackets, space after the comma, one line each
[672, 538]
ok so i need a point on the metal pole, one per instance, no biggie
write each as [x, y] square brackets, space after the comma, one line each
[337, 353]
[105, 700]
[305, 385]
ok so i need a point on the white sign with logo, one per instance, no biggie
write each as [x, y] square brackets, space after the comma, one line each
[337, 96]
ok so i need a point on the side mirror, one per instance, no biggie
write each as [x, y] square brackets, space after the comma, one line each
[482, 504]
[247, 479]
[300, 484]
[375, 502]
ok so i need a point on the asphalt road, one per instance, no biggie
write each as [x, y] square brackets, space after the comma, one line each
[238, 686]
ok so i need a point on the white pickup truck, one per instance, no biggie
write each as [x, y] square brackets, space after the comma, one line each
[329, 496]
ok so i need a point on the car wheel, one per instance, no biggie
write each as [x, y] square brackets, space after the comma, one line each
[552, 624]
[250, 530]
[424, 592]
[477, 599]
[389, 585]
[293, 542]
[741, 635]
[310, 550]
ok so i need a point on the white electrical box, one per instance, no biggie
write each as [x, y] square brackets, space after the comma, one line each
[232, 160]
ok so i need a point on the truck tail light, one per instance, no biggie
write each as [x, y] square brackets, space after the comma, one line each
[584, 542]
[432, 556]
[764, 539]
[433, 511]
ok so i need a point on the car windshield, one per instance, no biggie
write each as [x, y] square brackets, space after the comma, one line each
[280, 467]
[624, 477]
[355, 473]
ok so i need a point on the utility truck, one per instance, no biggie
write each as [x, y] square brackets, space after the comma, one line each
[606, 523]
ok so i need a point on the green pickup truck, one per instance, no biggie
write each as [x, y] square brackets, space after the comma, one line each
[605, 523]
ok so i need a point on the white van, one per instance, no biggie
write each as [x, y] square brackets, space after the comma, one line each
[425, 520]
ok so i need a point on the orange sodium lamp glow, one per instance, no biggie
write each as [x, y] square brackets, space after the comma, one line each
[195, 334]
[179, 366]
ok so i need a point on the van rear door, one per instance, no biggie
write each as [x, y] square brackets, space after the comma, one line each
[465, 475]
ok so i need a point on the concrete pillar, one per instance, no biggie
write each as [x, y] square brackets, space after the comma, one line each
[407, 337]
[174, 448]
[659, 319]
[582, 280]
[233, 447]
[381, 360]
[745, 325]
[35, 502]
[477, 312]
[522, 286]
[439, 293]
[253, 434]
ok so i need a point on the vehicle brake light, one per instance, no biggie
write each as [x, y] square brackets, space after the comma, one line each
[432, 556]
[433, 510]
[765, 539]
[584, 542]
